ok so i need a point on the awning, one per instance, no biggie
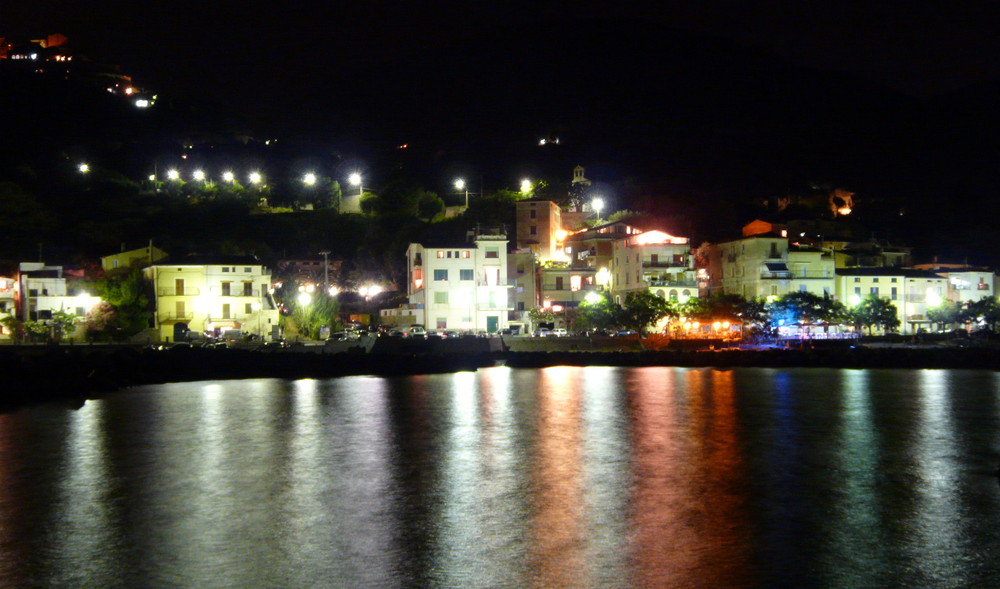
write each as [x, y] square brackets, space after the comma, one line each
[776, 266]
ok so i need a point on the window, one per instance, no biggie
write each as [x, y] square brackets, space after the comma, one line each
[492, 252]
[873, 291]
[654, 259]
[440, 275]
[81, 312]
[575, 282]
[826, 291]
[802, 288]
[520, 305]
[559, 282]
[441, 298]
[440, 254]
[534, 213]
[179, 309]
[441, 323]
[532, 230]
[520, 268]
[225, 268]
[894, 293]
[248, 308]
[226, 287]
[857, 279]
[892, 280]
[247, 270]
[225, 311]
[248, 289]
[857, 290]
[466, 254]
[875, 279]
[465, 274]
[449, 254]
[456, 255]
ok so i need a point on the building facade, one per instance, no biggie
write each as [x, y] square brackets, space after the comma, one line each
[213, 294]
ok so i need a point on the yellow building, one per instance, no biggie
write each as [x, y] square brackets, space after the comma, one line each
[655, 261]
[212, 294]
[137, 258]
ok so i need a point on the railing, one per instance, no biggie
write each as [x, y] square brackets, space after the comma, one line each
[820, 335]
[494, 307]
[186, 316]
[235, 292]
[915, 298]
[776, 275]
[501, 283]
[178, 292]
[674, 283]
[664, 264]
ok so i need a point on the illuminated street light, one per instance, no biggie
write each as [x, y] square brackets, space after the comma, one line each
[228, 176]
[333, 291]
[525, 186]
[152, 177]
[84, 168]
[304, 298]
[460, 185]
[592, 298]
[173, 175]
[598, 205]
[309, 179]
[255, 177]
[199, 175]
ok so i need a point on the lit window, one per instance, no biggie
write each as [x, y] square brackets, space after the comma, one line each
[466, 254]
[440, 254]
[492, 252]
[575, 282]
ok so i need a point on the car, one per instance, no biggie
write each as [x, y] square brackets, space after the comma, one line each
[415, 330]
[559, 332]
[542, 332]
[344, 336]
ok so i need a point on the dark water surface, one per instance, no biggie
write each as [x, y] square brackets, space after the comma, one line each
[558, 477]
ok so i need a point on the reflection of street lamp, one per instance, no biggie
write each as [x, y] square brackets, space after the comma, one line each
[460, 185]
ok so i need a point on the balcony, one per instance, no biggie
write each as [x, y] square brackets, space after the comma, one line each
[168, 317]
[777, 275]
[501, 284]
[494, 307]
[178, 292]
[674, 283]
[235, 292]
[665, 264]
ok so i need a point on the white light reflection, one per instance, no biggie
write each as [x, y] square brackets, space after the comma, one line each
[937, 525]
[86, 521]
[606, 462]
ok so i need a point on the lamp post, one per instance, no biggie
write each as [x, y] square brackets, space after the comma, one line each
[598, 205]
[460, 185]
[355, 180]
[326, 269]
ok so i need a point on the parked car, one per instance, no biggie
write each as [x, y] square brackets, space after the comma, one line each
[542, 332]
[415, 330]
[559, 332]
[344, 336]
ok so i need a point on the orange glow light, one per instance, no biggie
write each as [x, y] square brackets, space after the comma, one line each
[658, 237]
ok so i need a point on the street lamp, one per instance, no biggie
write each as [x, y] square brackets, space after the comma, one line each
[173, 175]
[525, 185]
[228, 176]
[199, 175]
[460, 185]
[255, 177]
[355, 180]
[84, 168]
[598, 205]
[309, 179]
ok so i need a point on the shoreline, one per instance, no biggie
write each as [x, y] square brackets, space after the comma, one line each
[75, 373]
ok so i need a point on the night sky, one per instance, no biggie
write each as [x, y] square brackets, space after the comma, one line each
[893, 100]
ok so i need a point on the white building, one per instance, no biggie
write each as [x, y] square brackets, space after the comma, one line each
[913, 292]
[456, 286]
[42, 290]
[653, 261]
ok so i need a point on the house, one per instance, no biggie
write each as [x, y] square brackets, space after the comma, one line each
[210, 294]
[912, 292]
[127, 260]
[460, 286]
[41, 290]
[654, 261]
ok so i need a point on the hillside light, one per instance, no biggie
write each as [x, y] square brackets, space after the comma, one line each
[199, 175]
[354, 179]
[309, 179]
[173, 175]
[228, 176]
[152, 177]
[84, 168]
[255, 178]
[525, 186]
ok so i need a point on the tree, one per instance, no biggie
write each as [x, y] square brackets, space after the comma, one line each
[874, 310]
[948, 313]
[322, 310]
[984, 312]
[643, 309]
[430, 206]
[805, 308]
[125, 307]
[601, 313]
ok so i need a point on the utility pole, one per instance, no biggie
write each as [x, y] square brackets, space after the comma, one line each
[326, 270]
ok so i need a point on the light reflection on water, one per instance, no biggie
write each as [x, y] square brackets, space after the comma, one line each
[564, 476]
